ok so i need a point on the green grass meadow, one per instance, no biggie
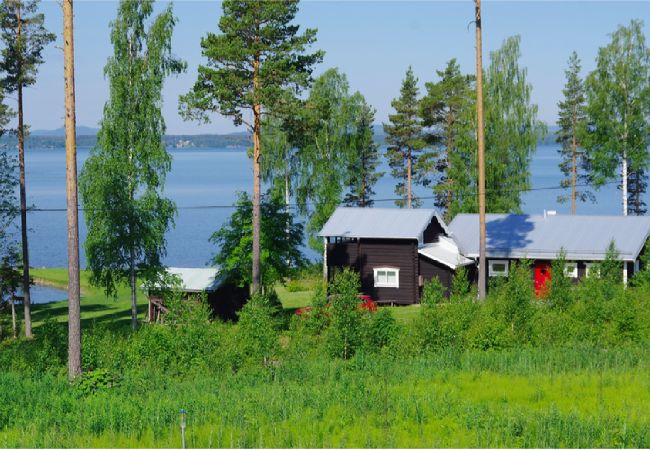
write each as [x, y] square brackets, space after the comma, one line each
[574, 395]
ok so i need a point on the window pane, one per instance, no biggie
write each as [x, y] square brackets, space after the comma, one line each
[499, 267]
[381, 276]
[391, 277]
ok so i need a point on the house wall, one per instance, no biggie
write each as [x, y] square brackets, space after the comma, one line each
[430, 269]
[432, 232]
[365, 255]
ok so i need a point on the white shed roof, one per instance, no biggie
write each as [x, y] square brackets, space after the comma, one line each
[379, 223]
[195, 279]
[543, 237]
[446, 252]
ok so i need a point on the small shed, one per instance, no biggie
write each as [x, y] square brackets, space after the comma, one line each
[224, 297]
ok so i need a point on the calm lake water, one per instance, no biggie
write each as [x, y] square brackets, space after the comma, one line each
[212, 177]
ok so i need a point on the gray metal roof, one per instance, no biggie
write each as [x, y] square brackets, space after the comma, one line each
[542, 237]
[387, 223]
[446, 252]
[194, 279]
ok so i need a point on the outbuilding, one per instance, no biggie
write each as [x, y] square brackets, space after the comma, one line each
[225, 298]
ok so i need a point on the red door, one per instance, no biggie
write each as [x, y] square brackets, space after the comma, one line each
[542, 277]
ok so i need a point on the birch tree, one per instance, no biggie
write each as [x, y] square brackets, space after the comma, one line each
[122, 180]
[618, 108]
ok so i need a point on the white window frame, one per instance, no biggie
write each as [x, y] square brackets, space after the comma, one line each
[385, 283]
[588, 268]
[571, 269]
[495, 273]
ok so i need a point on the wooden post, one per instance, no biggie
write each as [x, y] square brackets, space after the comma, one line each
[325, 260]
[482, 281]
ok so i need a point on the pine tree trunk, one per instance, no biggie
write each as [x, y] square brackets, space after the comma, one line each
[574, 171]
[362, 197]
[482, 274]
[624, 181]
[257, 112]
[74, 298]
[14, 324]
[23, 216]
[408, 179]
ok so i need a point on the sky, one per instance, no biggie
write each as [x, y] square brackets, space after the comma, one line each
[372, 42]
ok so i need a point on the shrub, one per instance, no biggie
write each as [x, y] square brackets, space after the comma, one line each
[381, 329]
[511, 302]
[257, 334]
[559, 291]
[433, 293]
[460, 285]
[344, 334]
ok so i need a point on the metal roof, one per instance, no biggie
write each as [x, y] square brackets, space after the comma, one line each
[446, 252]
[386, 223]
[543, 237]
[195, 279]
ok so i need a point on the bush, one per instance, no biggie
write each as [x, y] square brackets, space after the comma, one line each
[433, 293]
[381, 329]
[344, 334]
[257, 334]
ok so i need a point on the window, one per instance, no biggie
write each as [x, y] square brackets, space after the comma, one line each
[386, 277]
[498, 268]
[592, 270]
[571, 270]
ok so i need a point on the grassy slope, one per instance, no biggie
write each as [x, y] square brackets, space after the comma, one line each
[117, 312]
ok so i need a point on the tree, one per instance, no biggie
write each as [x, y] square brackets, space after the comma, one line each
[122, 180]
[404, 139]
[363, 174]
[257, 63]
[448, 113]
[324, 136]
[279, 165]
[24, 38]
[618, 105]
[572, 122]
[512, 129]
[280, 256]
[74, 298]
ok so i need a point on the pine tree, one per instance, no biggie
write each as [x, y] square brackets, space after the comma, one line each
[404, 139]
[618, 105]
[572, 123]
[122, 180]
[258, 63]
[512, 129]
[24, 38]
[363, 174]
[447, 111]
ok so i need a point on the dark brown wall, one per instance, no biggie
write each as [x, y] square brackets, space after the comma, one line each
[227, 300]
[430, 269]
[432, 232]
[397, 253]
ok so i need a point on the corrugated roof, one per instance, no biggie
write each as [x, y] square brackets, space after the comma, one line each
[387, 223]
[445, 252]
[542, 237]
[195, 279]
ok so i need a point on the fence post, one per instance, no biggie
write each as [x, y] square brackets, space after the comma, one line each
[183, 425]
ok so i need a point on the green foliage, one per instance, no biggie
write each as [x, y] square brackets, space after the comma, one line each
[381, 330]
[511, 301]
[257, 336]
[448, 113]
[433, 293]
[404, 139]
[281, 241]
[22, 54]
[231, 83]
[122, 180]
[618, 104]
[572, 122]
[8, 202]
[460, 284]
[559, 289]
[345, 333]
[512, 129]
[611, 269]
[93, 381]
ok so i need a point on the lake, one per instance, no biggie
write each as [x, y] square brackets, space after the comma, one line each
[212, 177]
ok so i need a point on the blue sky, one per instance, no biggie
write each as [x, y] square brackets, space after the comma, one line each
[373, 42]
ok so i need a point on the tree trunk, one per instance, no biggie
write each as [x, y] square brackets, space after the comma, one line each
[257, 112]
[624, 180]
[408, 179]
[482, 274]
[574, 171]
[134, 301]
[74, 299]
[23, 196]
[362, 196]
[14, 324]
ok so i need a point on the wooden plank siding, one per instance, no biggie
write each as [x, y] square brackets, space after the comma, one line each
[430, 269]
[365, 255]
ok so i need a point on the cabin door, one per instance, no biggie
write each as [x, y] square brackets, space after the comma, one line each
[542, 278]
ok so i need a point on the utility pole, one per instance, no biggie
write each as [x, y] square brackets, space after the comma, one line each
[74, 303]
[482, 274]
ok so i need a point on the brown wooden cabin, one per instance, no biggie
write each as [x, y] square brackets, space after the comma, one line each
[225, 298]
[541, 239]
[395, 251]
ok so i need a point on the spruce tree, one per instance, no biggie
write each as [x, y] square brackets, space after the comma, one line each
[512, 129]
[364, 154]
[405, 141]
[618, 106]
[572, 122]
[24, 38]
[447, 112]
[258, 63]
[122, 181]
